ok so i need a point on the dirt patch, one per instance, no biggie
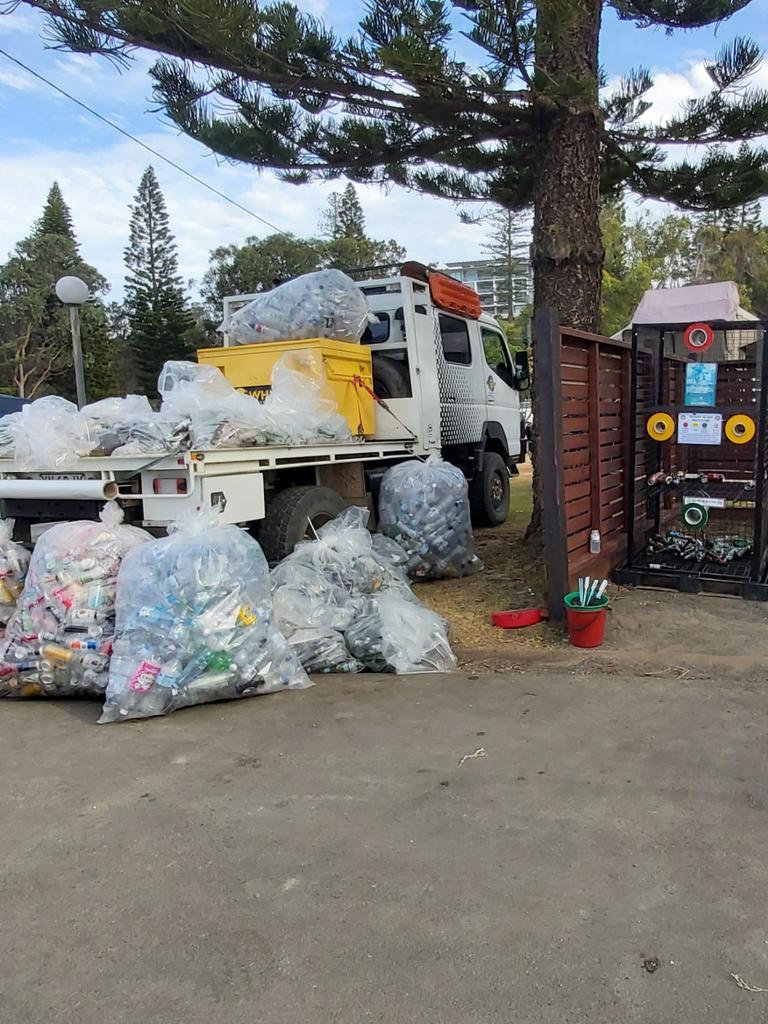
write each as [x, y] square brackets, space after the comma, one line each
[512, 577]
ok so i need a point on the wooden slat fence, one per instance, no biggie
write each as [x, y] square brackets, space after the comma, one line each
[583, 412]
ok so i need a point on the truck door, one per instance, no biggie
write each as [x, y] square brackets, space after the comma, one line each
[502, 398]
[462, 396]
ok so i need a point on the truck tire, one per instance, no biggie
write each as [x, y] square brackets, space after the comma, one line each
[489, 492]
[390, 378]
[288, 516]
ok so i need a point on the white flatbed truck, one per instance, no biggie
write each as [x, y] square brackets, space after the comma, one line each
[449, 385]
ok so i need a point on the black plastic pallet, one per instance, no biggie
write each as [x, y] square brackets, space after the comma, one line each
[692, 582]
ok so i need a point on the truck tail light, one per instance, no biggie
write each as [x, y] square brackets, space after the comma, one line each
[169, 485]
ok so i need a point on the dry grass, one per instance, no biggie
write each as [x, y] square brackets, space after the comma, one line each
[512, 577]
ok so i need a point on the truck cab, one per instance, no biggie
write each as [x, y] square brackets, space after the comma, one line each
[445, 369]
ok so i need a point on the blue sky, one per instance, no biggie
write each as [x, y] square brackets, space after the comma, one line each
[45, 137]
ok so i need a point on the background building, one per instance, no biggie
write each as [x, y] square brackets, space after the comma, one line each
[489, 279]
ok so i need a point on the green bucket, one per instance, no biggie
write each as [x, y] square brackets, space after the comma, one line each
[586, 626]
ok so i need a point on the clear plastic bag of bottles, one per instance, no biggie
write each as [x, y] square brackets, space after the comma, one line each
[398, 634]
[344, 555]
[323, 650]
[324, 304]
[217, 415]
[327, 597]
[9, 425]
[364, 639]
[302, 598]
[130, 426]
[49, 432]
[413, 638]
[194, 623]
[424, 507]
[14, 563]
[302, 403]
[59, 639]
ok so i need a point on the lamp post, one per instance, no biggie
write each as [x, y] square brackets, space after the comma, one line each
[73, 293]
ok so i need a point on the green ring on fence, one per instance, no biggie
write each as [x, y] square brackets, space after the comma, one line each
[694, 515]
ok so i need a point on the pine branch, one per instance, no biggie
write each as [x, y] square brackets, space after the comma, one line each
[678, 13]
[96, 34]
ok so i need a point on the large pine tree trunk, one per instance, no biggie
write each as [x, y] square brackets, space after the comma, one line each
[567, 246]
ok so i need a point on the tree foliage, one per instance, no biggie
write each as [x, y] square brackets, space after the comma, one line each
[673, 251]
[276, 87]
[508, 243]
[641, 253]
[35, 339]
[159, 322]
[343, 217]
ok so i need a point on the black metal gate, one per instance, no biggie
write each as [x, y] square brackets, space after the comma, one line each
[698, 518]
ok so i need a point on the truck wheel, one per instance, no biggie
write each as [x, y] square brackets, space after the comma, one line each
[489, 492]
[289, 514]
[390, 378]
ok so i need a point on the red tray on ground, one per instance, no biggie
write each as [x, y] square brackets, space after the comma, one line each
[516, 619]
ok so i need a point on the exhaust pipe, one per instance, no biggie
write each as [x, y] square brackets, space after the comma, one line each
[59, 490]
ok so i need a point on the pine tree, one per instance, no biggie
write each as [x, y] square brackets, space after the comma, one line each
[351, 217]
[343, 216]
[35, 341]
[519, 121]
[158, 318]
[330, 223]
[508, 243]
[56, 218]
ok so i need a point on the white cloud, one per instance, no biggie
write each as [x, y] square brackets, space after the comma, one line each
[671, 89]
[19, 22]
[18, 80]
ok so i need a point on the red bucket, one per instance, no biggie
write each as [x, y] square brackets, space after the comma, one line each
[586, 626]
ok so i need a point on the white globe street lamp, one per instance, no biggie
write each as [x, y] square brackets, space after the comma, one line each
[73, 293]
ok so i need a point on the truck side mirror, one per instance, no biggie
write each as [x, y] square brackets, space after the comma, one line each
[522, 371]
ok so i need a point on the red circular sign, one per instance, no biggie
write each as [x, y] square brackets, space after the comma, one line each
[698, 337]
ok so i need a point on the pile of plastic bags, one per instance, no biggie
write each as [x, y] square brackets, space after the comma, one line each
[14, 563]
[130, 426]
[324, 304]
[195, 624]
[424, 507]
[200, 409]
[160, 624]
[300, 407]
[44, 433]
[344, 603]
[59, 639]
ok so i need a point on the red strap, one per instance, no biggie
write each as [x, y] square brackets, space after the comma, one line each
[360, 383]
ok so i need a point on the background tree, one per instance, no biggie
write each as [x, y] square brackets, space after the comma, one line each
[345, 244]
[641, 253]
[343, 216]
[160, 324]
[257, 265]
[35, 340]
[735, 248]
[507, 243]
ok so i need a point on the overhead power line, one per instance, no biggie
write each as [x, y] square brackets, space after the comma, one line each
[154, 152]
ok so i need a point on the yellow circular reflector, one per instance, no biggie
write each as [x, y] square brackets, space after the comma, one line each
[660, 426]
[740, 428]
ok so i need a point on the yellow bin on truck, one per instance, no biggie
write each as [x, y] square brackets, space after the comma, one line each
[347, 366]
